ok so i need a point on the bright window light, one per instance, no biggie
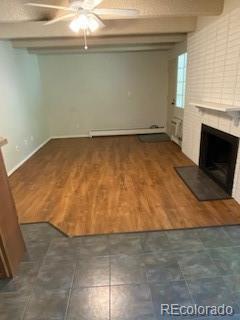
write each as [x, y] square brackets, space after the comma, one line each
[181, 80]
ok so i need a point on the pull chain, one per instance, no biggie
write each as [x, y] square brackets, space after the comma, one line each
[85, 39]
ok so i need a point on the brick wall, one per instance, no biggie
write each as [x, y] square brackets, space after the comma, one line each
[214, 76]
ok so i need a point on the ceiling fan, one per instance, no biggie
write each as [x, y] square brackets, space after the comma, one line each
[85, 15]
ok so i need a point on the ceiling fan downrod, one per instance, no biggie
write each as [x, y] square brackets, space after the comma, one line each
[76, 4]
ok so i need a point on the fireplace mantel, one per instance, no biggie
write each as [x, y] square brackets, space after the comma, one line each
[232, 111]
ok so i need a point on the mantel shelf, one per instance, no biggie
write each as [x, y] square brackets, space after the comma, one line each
[232, 111]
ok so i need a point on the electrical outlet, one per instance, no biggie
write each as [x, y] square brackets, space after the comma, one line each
[26, 142]
[32, 138]
[17, 149]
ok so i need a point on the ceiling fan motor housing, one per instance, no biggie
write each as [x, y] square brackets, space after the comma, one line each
[78, 4]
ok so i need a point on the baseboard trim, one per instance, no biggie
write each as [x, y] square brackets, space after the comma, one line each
[123, 132]
[70, 136]
[92, 133]
[28, 157]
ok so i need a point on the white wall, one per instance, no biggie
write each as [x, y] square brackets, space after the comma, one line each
[22, 120]
[104, 91]
[71, 94]
[214, 76]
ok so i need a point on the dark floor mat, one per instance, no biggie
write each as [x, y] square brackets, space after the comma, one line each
[154, 137]
[201, 185]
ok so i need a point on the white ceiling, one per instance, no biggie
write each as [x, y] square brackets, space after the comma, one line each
[16, 11]
[157, 17]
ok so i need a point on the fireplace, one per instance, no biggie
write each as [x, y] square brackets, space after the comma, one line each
[218, 155]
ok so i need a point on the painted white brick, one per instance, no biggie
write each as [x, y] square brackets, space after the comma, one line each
[214, 76]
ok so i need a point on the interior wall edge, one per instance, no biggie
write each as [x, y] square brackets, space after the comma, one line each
[10, 172]
[23, 118]
[69, 136]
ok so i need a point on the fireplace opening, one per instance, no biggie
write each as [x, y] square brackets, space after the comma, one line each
[218, 156]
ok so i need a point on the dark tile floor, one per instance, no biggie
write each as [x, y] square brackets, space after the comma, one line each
[122, 277]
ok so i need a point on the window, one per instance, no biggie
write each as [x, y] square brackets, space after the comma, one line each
[181, 80]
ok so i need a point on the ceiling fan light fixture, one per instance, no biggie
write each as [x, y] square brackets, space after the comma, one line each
[93, 24]
[79, 23]
[74, 25]
[85, 14]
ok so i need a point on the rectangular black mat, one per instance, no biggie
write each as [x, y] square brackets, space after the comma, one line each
[154, 137]
[201, 185]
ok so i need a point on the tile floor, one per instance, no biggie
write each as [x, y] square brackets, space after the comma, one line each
[122, 277]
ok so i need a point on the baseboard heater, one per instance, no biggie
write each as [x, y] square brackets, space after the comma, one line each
[124, 132]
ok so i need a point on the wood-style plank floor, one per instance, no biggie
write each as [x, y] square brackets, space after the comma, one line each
[112, 184]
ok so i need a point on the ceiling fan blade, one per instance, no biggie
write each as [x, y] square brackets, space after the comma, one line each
[66, 16]
[117, 12]
[41, 5]
[91, 4]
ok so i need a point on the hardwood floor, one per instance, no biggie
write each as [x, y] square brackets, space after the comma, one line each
[112, 184]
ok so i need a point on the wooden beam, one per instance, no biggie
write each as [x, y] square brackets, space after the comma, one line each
[36, 30]
[160, 8]
[14, 10]
[99, 41]
[101, 49]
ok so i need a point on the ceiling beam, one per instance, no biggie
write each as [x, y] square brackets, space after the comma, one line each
[37, 30]
[160, 8]
[98, 41]
[103, 49]
[14, 10]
